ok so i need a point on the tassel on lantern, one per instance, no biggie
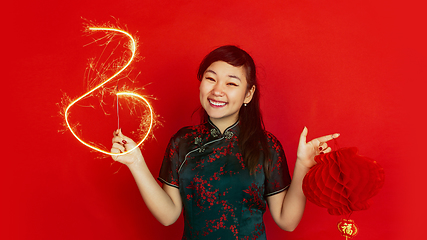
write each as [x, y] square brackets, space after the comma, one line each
[347, 228]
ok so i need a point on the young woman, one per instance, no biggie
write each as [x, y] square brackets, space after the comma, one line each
[223, 172]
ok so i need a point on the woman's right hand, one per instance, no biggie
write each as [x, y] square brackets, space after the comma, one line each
[121, 144]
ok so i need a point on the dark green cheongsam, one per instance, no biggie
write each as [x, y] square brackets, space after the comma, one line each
[221, 200]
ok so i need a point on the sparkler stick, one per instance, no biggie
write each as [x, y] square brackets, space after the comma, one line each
[117, 102]
[132, 47]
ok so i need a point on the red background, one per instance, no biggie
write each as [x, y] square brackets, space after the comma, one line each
[353, 67]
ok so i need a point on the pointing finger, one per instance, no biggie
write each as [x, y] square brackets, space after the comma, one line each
[328, 137]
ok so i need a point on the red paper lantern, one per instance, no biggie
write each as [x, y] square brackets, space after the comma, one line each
[343, 181]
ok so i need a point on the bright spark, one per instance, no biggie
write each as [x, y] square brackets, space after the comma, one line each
[132, 47]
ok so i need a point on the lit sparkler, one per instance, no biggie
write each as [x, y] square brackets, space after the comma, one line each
[132, 48]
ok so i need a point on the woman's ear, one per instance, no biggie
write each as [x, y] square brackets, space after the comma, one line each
[249, 95]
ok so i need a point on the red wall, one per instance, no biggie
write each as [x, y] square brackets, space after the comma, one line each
[354, 67]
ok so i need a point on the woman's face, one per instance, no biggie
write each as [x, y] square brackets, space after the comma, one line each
[223, 90]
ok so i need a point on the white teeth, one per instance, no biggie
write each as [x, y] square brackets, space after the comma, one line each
[216, 103]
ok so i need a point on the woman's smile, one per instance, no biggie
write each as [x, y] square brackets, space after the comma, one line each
[215, 103]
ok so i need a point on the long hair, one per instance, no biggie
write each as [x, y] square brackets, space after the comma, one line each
[252, 138]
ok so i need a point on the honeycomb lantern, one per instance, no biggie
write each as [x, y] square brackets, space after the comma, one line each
[343, 181]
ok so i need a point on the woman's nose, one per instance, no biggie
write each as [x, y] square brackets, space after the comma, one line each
[218, 90]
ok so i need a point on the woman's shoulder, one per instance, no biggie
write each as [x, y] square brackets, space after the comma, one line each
[270, 136]
[272, 140]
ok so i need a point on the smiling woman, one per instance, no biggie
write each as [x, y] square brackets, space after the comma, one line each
[236, 62]
[223, 172]
[356, 67]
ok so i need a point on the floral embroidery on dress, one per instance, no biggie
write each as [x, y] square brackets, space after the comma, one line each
[221, 199]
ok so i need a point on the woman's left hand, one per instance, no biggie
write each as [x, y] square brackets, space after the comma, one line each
[308, 150]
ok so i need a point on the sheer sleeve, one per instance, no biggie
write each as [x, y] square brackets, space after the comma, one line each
[279, 179]
[169, 170]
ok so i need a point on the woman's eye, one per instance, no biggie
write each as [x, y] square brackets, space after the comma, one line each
[232, 84]
[209, 79]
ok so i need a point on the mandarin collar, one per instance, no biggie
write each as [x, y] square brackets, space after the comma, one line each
[228, 132]
[213, 134]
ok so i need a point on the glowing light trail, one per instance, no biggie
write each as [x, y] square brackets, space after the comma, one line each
[132, 47]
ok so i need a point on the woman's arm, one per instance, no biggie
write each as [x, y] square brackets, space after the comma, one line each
[164, 203]
[287, 207]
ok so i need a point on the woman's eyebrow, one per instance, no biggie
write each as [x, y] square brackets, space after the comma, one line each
[211, 71]
[230, 76]
[233, 76]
